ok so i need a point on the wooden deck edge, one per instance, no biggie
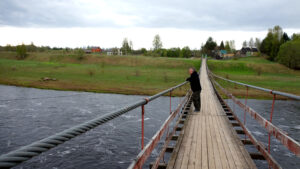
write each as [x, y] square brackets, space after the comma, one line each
[174, 154]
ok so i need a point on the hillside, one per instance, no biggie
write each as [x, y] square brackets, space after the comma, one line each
[256, 71]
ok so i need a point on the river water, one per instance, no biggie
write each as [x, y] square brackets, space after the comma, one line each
[27, 115]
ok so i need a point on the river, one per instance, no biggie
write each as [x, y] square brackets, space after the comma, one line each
[28, 114]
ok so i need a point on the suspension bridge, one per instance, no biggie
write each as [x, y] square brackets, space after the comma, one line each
[206, 139]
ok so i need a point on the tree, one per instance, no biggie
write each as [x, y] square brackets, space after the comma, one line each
[232, 45]
[210, 44]
[271, 44]
[186, 52]
[21, 51]
[289, 54]
[131, 45]
[80, 53]
[227, 46]
[285, 38]
[144, 51]
[277, 32]
[251, 43]
[126, 48]
[296, 36]
[173, 52]
[31, 47]
[8, 47]
[245, 44]
[222, 45]
[157, 44]
[257, 43]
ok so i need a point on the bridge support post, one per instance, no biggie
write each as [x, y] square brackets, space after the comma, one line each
[246, 105]
[271, 116]
[170, 102]
[142, 139]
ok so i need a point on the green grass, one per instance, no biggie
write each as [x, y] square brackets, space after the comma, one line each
[256, 71]
[97, 73]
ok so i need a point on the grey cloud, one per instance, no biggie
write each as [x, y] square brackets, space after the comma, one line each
[191, 14]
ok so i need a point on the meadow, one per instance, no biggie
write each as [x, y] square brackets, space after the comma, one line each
[256, 71]
[141, 75]
[138, 75]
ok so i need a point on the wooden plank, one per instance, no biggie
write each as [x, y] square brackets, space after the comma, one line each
[179, 157]
[222, 149]
[175, 153]
[192, 159]
[198, 147]
[204, 145]
[211, 158]
[187, 150]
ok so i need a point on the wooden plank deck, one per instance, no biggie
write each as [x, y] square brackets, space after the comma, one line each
[209, 140]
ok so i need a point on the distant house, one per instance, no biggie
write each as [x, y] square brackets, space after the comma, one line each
[229, 55]
[222, 53]
[114, 51]
[88, 51]
[246, 51]
[96, 49]
[254, 51]
[93, 50]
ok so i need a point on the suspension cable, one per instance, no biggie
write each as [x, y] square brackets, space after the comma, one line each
[25, 153]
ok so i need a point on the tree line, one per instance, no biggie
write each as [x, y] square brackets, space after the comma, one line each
[279, 47]
[158, 50]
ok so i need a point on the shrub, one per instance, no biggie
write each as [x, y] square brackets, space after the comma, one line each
[259, 71]
[91, 72]
[137, 72]
[166, 77]
[289, 54]
[80, 54]
[21, 51]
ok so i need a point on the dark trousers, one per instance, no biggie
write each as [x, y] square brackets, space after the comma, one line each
[196, 100]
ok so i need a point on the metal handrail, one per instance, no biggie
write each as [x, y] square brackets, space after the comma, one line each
[279, 134]
[25, 153]
[260, 88]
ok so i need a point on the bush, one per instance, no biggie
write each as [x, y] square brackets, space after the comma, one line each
[80, 54]
[289, 54]
[173, 52]
[21, 51]
[91, 72]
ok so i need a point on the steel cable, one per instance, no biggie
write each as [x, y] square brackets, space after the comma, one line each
[25, 153]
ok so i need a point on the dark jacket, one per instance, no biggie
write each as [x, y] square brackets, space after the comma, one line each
[194, 82]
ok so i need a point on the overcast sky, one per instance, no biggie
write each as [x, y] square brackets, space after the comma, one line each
[78, 23]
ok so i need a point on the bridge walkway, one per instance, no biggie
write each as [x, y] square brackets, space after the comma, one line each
[209, 140]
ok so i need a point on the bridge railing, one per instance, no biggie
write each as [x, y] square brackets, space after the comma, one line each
[274, 92]
[279, 134]
[25, 153]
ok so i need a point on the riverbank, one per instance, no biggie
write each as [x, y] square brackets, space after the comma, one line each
[139, 75]
[136, 75]
[259, 72]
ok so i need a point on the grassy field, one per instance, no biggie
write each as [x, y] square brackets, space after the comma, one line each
[97, 73]
[256, 71]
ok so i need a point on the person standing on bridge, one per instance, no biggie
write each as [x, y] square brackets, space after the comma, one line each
[196, 88]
